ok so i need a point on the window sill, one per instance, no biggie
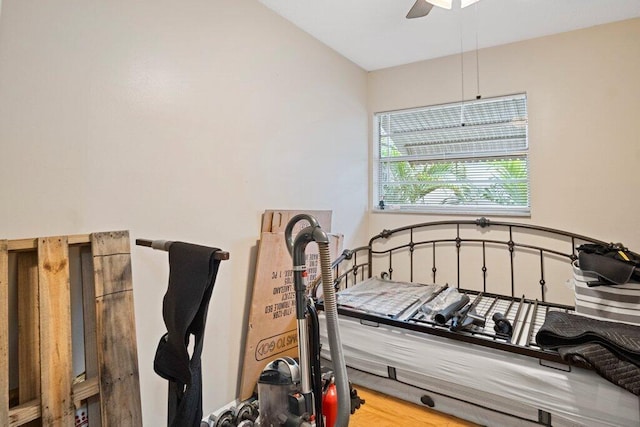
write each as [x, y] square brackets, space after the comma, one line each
[391, 209]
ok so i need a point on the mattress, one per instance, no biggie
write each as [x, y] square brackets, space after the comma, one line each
[484, 385]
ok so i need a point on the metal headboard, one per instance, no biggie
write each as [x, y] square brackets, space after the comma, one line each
[364, 269]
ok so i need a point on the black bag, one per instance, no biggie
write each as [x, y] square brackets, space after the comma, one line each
[613, 263]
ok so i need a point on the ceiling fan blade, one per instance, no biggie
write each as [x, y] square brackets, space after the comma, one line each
[465, 3]
[445, 4]
[420, 8]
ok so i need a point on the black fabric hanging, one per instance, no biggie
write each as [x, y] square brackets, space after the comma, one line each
[192, 275]
[611, 348]
[613, 263]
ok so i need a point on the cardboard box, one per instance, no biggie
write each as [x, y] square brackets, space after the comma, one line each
[272, 327]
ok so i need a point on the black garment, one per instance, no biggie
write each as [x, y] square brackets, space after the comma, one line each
[613, 263]
[619, 371]
[192, 275]
[612, 349]
[610, 271]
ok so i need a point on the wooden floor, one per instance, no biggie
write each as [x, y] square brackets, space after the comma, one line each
[381, 410]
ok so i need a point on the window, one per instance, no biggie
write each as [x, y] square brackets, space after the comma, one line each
[465, 157]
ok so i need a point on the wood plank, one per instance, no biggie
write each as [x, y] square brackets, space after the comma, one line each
[55, 331]
[28, 327]
[110, 243]
[381, 410]
[118, 360]
[90, 343]
[117, 268]
[85, 390]
[79, 239]
[16, 245]
[22, 414]
[115, 330]
[4, 333]
[275, 221]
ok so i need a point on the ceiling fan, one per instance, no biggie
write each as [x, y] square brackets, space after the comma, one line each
[423, 7]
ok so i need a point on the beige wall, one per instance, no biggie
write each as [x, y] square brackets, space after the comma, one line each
[187, 120]
[583, 92]
[175, 120]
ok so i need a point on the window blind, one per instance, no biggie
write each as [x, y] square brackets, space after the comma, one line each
[469, 156]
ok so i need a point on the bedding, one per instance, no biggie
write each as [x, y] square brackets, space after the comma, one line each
[480, 384]
[393, 344]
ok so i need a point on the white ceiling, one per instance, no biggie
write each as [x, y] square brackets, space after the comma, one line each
[375, 34]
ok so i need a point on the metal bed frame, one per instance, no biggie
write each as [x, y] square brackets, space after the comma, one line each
[527, 315]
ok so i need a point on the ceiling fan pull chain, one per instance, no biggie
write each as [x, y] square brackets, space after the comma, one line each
[478, 95]
[461, 74]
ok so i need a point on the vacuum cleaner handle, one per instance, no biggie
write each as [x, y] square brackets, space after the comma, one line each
[288, 231]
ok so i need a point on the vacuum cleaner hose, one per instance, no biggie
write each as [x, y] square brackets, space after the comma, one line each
[335, 346]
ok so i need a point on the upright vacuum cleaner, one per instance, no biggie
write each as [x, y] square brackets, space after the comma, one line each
[290, 393]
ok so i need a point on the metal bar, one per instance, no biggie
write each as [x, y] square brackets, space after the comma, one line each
[370, 259]
[482, 222]
[499, 242]
[476, 301]
[493, 304]
[532, 323]
[411, 244]
[542, 282]
[433, 268]
[355, 264]
[484, 268]
[509, 308]
[510, 243]
[164, 245]
[516, 318]
[526, 315]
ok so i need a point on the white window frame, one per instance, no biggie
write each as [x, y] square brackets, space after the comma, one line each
[481, 154]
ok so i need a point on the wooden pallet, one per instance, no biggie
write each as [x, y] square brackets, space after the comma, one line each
[47, 393]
